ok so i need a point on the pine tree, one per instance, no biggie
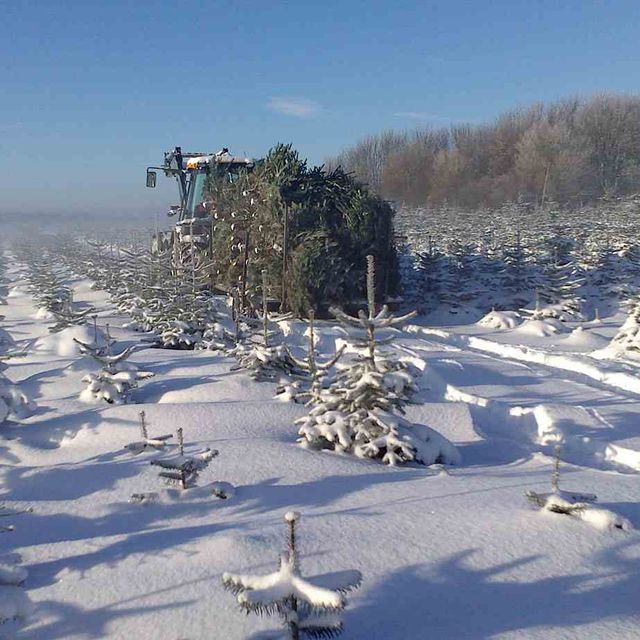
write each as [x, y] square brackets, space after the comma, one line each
[627, 341]
[516, 278]
[561, 283]
[66, 316]
[430, 277]
[308, 607]
[13, 401]
[182, 470]
[145, 442]
[114, 382]
[408, 262]
[315, 372]
[263, 359]
[355, 414]
[560, 501]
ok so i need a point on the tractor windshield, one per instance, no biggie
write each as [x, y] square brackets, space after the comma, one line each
[196, 196]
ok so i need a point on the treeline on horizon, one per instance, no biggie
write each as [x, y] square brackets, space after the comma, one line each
[571, 152]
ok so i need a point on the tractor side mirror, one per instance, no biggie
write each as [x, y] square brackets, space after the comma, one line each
[151, 179]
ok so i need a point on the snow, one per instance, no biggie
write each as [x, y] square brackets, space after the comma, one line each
[14, 603]
[501, 320]
[18, 291]
[582, 339]
[439, 548]
[604, 520]
[63, 343]
[279, 586]
[43, 314]
[579, 506]
[541, 328]
[12, 575]
[589, 365]
[6, 341]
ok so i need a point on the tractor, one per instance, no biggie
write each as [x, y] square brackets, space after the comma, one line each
[308, 228]
[194, 213]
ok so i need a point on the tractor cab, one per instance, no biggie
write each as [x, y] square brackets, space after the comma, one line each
[191, 171]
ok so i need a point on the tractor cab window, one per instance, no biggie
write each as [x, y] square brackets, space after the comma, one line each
[195, 208]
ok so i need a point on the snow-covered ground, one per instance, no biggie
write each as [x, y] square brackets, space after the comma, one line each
[444, 553]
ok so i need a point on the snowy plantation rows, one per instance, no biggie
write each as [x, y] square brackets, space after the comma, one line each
[456, 265]
[173, 459]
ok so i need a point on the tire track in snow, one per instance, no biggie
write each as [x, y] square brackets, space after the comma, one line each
[583, 432]
[581, 367]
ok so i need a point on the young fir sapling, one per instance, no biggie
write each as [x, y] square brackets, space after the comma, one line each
[117, 378]
[315, 371]
[626, 342]
[355, 413]
[308, 607]
[264, 361]
[182, 470]
[101, 343]
[13, 401]
[67, 317]
[560, 501]
[574, 503]
[158, 443]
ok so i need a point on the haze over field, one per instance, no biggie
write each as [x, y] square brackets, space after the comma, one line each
[95, 92]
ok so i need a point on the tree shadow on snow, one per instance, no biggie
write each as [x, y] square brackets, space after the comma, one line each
[48, 433]
[150, 544]
[33, 383]
[494, 452]
[68, 620]
[176, 359]
[70, 481]
[153, 391]
[449, 599]
[268, 495]
[273, 634]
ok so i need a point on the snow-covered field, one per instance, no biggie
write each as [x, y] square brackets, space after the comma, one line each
[455, 552]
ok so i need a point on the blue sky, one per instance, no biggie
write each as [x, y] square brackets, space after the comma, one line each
[93, 92]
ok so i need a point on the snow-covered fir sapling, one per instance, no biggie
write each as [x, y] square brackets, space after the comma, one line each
[45, 283]
[355, 413]
[264, 361]
[181, 470]
[575, 503]
[6, 341]
[559, 501]
[101, 343]
[626, 342]
[13, 401]
[114, 382]
[316, 371]
[156, 444]
[65, 315]
[308, 606]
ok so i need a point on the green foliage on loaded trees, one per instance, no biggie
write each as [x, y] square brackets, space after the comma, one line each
[309, 228]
